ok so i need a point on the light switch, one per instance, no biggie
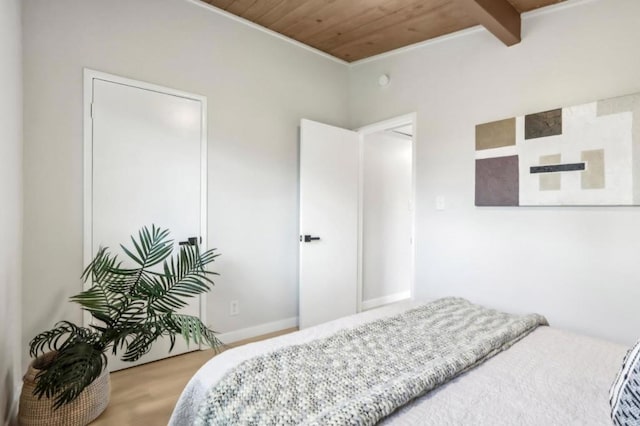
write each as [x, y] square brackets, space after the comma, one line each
[440, 202]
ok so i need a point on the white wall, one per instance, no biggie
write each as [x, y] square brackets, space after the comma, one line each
[258, 87]
[578, 266]
[386, 216]
[11, 196]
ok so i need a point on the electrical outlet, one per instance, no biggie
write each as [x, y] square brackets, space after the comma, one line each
[234, 308]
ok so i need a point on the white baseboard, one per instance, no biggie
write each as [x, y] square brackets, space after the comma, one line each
[380, 301]
[258, 330]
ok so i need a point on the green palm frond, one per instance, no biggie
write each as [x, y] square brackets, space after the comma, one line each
[151, 248]
[72, 370]
[64, 334]
[145, 335]
[191, 328]
[95, 300]
[184, 277]
[120, 337]
[105, 270]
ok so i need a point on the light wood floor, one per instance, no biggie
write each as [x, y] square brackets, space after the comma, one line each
[146, 395]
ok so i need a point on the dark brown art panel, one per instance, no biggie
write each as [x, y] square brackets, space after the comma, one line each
[497, 181]
[548, 123]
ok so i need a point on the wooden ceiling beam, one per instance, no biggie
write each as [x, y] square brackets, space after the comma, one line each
[497, 16]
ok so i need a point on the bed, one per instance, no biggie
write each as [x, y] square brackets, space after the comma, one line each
[546, 377]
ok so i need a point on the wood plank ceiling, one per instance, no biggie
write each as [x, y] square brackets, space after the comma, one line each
[357, 29]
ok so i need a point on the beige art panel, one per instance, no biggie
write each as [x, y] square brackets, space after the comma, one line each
[593, 176]
[496, 134]
[550, 181]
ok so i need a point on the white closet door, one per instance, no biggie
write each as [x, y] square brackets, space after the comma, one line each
[146, 169]
[329, 172]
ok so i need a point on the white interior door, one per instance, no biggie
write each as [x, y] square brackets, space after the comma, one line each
[147, 166]
[329, 172]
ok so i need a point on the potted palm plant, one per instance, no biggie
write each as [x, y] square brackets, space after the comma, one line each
[133, 304]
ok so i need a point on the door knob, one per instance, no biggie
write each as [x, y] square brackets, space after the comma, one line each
[191, 241]
[308, 238]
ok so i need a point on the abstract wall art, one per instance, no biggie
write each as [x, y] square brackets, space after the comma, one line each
[583, 155]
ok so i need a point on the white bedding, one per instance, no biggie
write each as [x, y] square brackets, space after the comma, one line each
[551, 377]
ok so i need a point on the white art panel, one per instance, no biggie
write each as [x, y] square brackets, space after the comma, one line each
[582, 130]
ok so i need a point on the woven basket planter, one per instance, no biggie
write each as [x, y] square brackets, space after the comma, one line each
[80, 412]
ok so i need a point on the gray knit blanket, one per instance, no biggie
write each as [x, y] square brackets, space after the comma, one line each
[360, 375]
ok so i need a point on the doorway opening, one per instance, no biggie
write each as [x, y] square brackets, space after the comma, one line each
[386, 212]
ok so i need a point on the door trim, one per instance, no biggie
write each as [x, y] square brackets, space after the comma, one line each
[367, 130]
[89, 76]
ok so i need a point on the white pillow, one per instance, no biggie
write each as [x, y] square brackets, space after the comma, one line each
[624, 395]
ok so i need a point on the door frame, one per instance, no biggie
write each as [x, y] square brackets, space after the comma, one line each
[369, 129]
[89, 76]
